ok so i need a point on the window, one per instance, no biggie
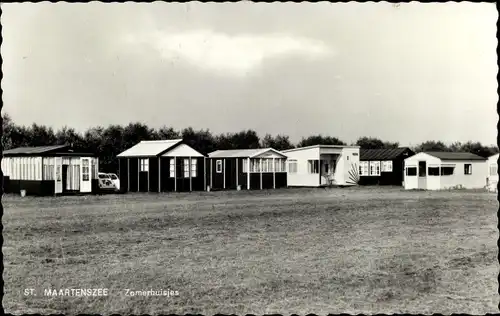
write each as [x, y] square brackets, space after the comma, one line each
[144, 165]
[387, 166]
[103, 176]
[186, 168]
[113, 177]
[255, 165]
[265, 165]
[468, 168]
[374, 168]
[270, 166]
[313, 166]
[85, 170]
[172, 167]
[280, 165]
[292, 166]
[422, 168]
[493, 169]
[433, 171]
[194, 168]
[363, 168]
[411, 171]
[245, 165]
[218, 166]
[447, 171]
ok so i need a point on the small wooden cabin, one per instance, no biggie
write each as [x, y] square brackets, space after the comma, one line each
[49, 170]
[445, 170]
[383, 166]
[161, 166]
[246, 169]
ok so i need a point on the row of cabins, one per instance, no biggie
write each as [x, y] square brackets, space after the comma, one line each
[173, 166]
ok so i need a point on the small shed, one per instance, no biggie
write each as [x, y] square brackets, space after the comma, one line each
[323, 165]
[493, 173]
[49, 170]
[383, 166]
[445, 170]
[247, 168]
[161, 166]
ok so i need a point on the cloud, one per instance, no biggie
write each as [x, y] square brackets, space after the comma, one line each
[234, 54]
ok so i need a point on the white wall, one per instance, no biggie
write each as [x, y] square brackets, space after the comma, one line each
[303, 177]
[476, 180]
[349, 160]
[412, 182]
[493, 176]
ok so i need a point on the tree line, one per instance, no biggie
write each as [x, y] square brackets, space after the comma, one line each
[108, 142]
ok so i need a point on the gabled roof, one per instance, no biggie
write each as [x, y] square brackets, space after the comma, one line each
[445, 155]
[384, 154]
[242, 153]
[39, 150]
[319, 146]
[150, 148]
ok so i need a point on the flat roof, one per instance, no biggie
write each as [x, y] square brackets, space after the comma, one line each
[383, 153]
[320, 146]
[446, 155]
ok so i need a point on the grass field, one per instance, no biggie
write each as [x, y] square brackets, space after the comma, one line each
[356, 250]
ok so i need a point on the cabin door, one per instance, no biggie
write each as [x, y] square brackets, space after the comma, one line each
[58, 176]
[85, 178]
[422, 175]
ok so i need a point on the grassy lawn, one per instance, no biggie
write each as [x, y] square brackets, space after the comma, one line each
[356, 250]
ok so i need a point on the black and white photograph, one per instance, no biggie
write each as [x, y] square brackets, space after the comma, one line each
[253, 158]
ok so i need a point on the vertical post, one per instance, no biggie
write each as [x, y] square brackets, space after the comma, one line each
[248, 175]
[211, 172]
[159, 174]
[204, 173]
[128, 174]
[224, 173]
[175, 174]
[148, 173]
[319, 170]
[190, 174]
[55, 174]
[138, 174]
[237, 174]
[260, 169]
[274, 173]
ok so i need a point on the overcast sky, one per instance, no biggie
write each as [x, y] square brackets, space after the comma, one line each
[409, 73]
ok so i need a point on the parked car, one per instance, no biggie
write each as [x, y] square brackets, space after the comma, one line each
[105, 182]
[116, 181]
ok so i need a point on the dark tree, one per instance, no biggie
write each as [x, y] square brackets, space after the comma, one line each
[40, 135]
[168, 133]
[280, 142]
[375, 143]
[320, 140]
[201, 140]
[431, 146]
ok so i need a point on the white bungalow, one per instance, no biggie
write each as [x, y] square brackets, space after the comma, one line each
[493, 173]
[445, 170]
[323, 165]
